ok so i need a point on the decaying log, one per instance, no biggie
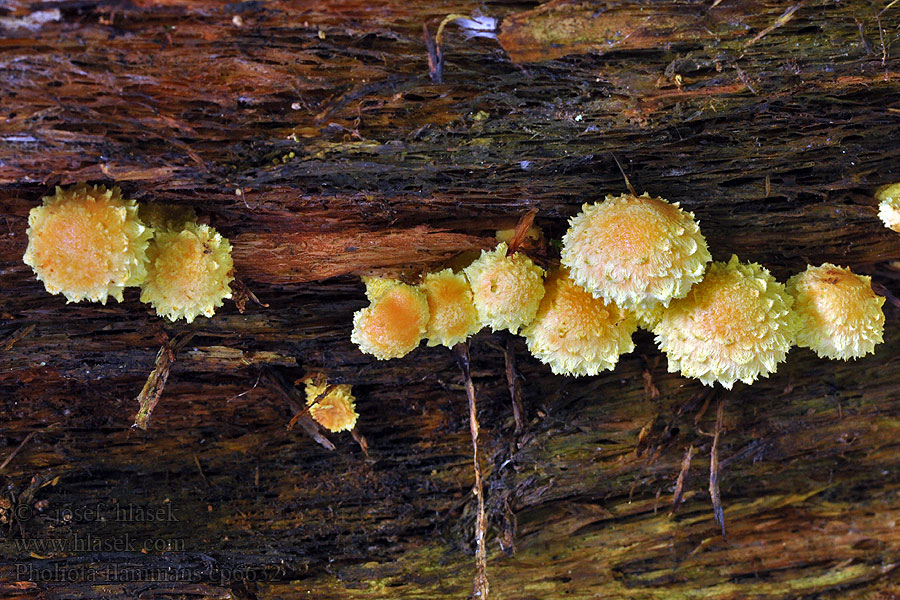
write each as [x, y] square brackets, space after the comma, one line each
[312, 136]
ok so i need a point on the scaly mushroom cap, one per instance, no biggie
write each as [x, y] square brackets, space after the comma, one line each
[87, 243]
[635, 250]
[393, 324]
[840, 315]
[453, 315]
[377, 286]
[736, 324]
[889, 205]
[575, 333]
[188, 273]
[336, 410]
[648, 317]
[506, 290]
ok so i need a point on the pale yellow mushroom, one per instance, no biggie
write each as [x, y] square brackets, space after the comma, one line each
[188, 273]
[636, 251]
[506, 290]
[87, 243]
[840, 315]
[575, 333]
[889, 205]
[453, 317]
[735, 325]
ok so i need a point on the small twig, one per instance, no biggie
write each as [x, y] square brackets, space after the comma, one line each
[16, 335]
[16, 451]
[718, 513]
[480, 583]
[522, 229]
[745, 79]
[156, 382]
[708, 394]
[436, 47]
[515, 391]
[245, 392]
[199, 468]
[243, 294]
[627, 181]
[290, 393]
[678, 495]
[363, 444]
[779, 22]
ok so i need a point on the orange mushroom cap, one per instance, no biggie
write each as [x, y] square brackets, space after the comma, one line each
[393, 324]
[87, 243]
[188, 273]
[506, 290]
[840, 315]
[575, 333]
[336, 410]
[635, 250]
[736, 324]
[453, 314]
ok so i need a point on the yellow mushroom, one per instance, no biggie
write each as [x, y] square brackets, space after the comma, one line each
[87, 243]
[889, 205]
[393, 324]
[188, 273]
[648, 317]
[453, 317]
[635, 250]
[735, 325]
[506, 290]
[840, 315]
[334, 410]
[575, 333]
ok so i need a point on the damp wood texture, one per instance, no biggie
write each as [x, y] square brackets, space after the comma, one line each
[322, 142]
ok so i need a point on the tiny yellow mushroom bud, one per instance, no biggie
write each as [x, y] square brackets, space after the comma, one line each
[840, 315]
[87, 243]
[735, 325]
[188, 273]
[575, 333]
[453, 315]
[506, 290]
[332, 406]
[889, 205]
[393, 324]
[635, 250]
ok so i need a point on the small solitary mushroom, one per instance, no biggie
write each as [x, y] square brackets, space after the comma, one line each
[87, 243]
[735, 325]
[506, 290]
[840, 315]
[635, 250]
[334, 408]
[575, 333]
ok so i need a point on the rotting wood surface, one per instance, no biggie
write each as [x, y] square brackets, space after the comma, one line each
[311, 135]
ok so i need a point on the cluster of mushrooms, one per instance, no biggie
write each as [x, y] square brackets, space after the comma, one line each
[631, 261]
[626, 262]
[89, 243]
